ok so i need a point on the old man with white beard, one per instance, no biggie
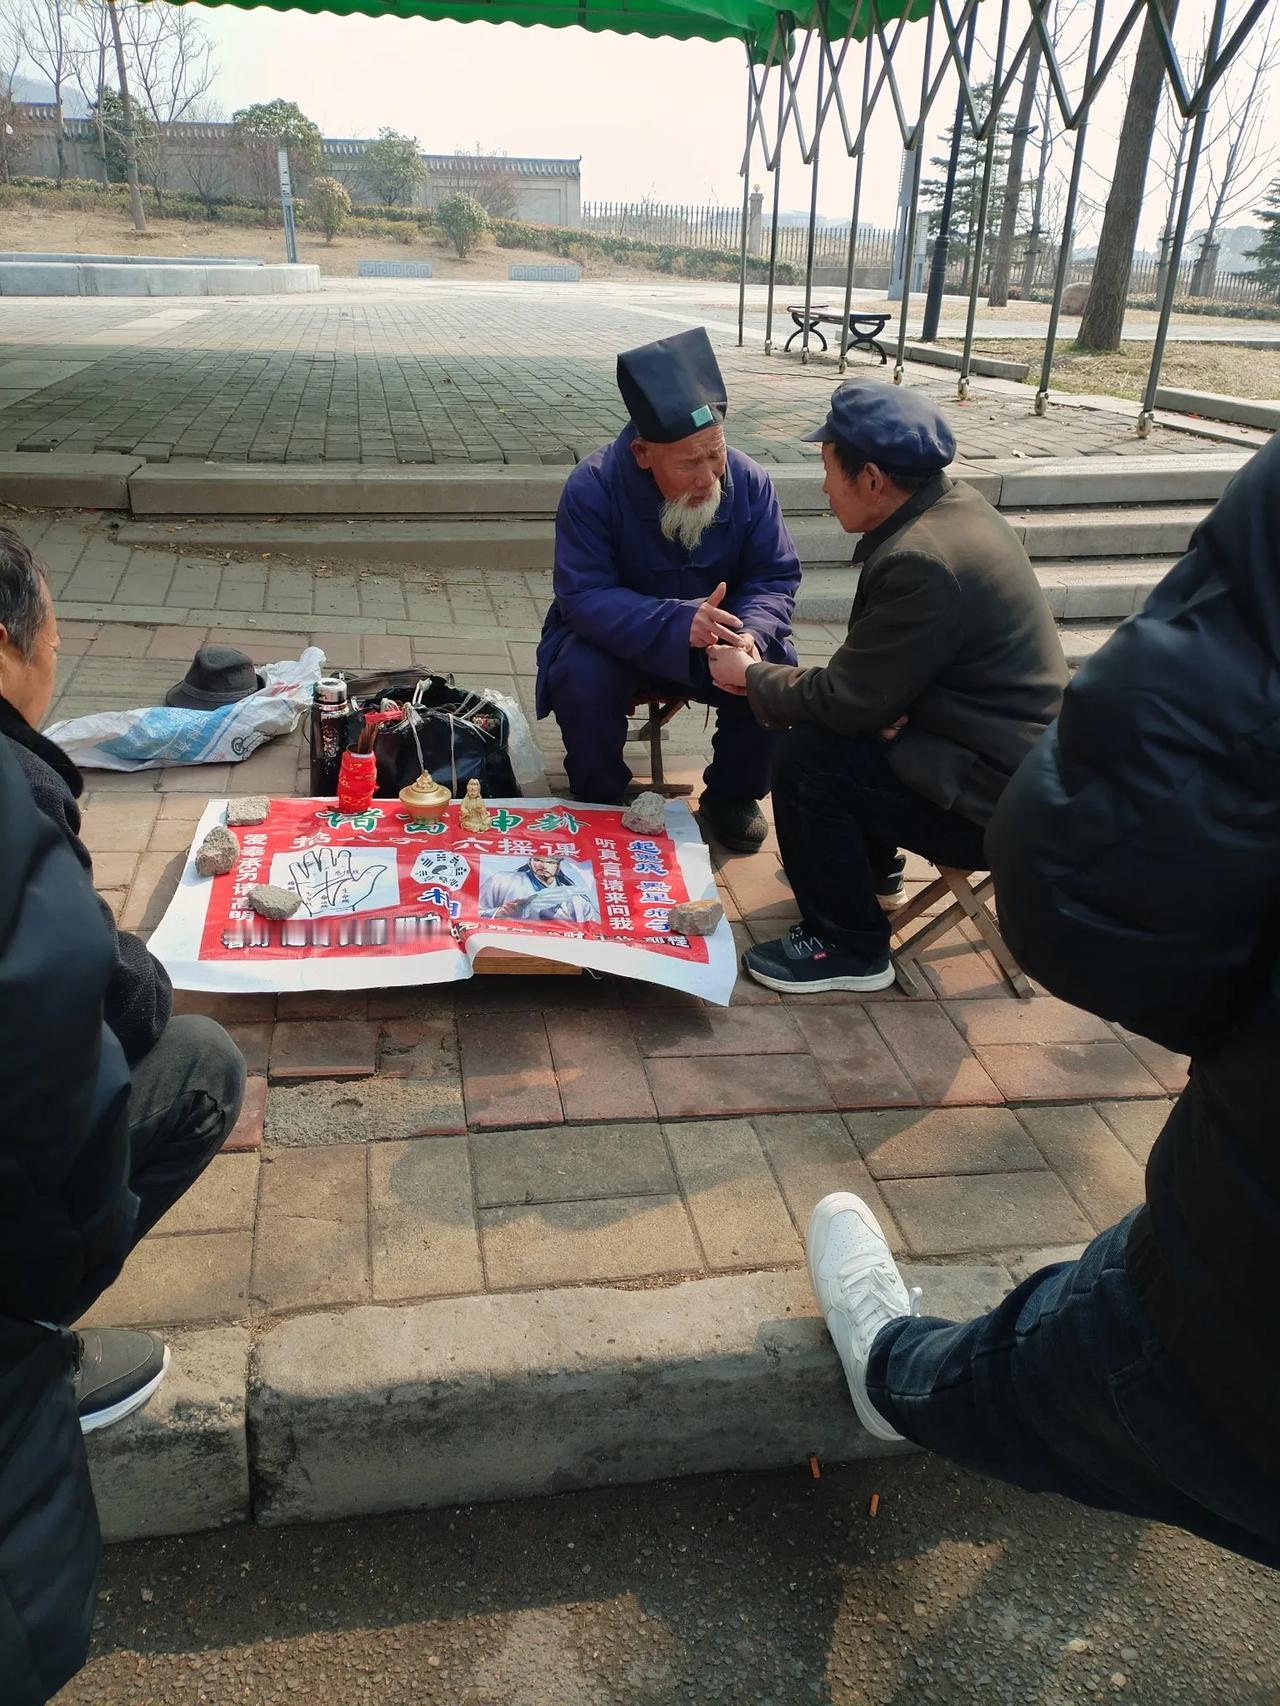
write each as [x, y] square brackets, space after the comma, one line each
[667, 543]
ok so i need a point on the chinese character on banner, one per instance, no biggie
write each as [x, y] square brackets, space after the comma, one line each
[300, 842]
[503, 820]
[419, 826]
[360, 820]
[443, 899]
[549, 822]
[473, 844]
[513, 847]
[649, 868]
[650, 889]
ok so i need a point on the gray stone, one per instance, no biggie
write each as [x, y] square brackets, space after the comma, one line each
[269, 900]
[217, 854]
[180, 1463]
[364, 1110]
[646, 815]
[1075, 298]
[249, 809]
[694, 917]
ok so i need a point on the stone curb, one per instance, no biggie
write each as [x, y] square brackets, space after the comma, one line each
[499, 1397]
[380, 1408]
[1239, 411]
[450, 497]
[180, 1464]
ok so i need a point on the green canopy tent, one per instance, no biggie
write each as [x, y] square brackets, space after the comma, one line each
[750, 21]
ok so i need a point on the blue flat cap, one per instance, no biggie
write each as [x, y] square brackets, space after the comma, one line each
[898, 429]
[673, 388]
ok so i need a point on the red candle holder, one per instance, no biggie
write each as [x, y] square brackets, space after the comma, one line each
[357, 781]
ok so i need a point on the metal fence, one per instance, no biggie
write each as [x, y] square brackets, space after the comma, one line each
[1146, 281]
[874, 247]
[665, 222]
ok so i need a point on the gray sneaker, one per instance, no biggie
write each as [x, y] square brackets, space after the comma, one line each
[117, 1371]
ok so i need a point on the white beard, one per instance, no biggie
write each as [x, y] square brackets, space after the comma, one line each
[685, 522]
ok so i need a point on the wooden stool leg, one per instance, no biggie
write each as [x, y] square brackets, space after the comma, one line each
[656, 770]
[973, 903]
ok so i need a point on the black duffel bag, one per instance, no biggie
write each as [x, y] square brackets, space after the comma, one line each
[455, 734]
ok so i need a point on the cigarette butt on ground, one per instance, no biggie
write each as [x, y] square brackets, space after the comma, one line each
[873, 1508]
[815, 1468]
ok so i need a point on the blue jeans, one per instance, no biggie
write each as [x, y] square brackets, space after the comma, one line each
[1065, 1389]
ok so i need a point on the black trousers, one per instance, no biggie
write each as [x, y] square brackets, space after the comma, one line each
[841, 817]
[186, 1097]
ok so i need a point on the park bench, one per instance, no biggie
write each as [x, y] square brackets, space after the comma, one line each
[865, 327]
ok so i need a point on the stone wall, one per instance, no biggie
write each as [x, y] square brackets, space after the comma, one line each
[203, 158]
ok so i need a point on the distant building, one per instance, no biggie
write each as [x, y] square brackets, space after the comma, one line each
[201, 158]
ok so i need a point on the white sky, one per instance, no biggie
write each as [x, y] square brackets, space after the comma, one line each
[657, 118]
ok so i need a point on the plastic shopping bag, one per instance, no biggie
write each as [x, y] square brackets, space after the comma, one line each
[156, 735]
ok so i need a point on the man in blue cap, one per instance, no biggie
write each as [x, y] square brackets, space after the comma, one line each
[667, 543]
[950, 672]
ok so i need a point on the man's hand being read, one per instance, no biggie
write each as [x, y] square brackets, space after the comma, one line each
[712, 626]
[729, 665]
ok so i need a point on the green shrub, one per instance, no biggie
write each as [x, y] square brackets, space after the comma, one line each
[463, 221]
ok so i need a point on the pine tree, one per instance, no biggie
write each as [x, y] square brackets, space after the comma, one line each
[1267, 253]
[968, 191]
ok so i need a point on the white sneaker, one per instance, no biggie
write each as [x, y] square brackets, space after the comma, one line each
[859, 1290]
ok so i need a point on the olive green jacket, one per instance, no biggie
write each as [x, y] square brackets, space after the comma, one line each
[949, 628]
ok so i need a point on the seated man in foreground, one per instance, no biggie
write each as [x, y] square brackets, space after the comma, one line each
[667, 542]
[188, 1075]
[950, 672]
[1137, 853]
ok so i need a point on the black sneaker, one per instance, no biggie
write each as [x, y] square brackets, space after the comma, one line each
[891, 891]
[116, 1372]
[737, 824]
[801, 960]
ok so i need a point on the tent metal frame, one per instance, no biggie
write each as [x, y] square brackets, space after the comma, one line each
[775, 70]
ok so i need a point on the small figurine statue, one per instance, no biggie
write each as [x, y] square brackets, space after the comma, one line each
[426, 798]
[472, 814]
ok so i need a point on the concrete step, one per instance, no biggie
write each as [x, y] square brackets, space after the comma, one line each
[1054, 535]
[1076, 592]
[525, 543]
[533, 489]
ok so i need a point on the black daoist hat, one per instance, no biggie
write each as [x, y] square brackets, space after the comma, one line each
[673, 388]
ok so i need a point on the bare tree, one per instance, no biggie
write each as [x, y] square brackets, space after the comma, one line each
[1103, 321]
[204, 155]
[488, 179]
[1068, 31]
[1234, 177]
[44, 31]
[172, 72]
[89, 67]
[15, 124]
[126, 107]
[1002, 260]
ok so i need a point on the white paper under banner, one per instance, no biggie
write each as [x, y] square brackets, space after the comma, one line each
[389, 900]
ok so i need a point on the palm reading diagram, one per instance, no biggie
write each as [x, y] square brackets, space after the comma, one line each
[335, 880]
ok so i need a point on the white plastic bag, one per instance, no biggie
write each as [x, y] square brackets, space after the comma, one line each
[171, 734]
[526, 760]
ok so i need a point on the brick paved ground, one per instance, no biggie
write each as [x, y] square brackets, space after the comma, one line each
[521, 1132]
[525, 1132]
[427, 374]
